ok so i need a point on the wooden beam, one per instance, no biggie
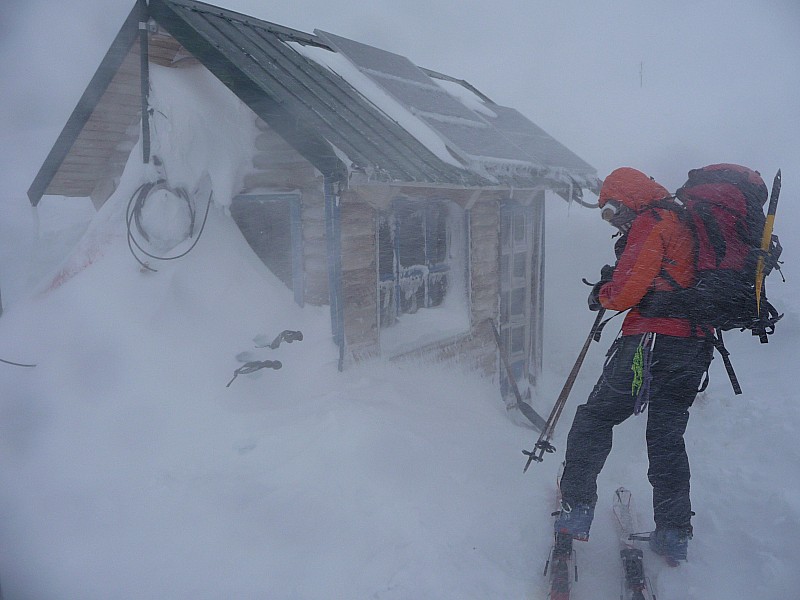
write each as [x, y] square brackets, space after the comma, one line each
[112, 62]
[117, 127]
[120, 98]
[89, 157]
[87, 172]
[473, 198]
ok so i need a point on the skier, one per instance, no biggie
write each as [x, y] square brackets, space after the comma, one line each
[656, 362]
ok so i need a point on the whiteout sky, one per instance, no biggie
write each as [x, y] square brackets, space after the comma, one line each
[662, 86]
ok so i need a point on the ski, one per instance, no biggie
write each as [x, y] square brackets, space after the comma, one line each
[561, 563]
[634, 584]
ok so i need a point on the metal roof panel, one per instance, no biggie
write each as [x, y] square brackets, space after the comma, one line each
[324, 101]
[479, 138]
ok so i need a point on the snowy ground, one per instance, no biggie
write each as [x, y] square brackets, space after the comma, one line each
[129, 470]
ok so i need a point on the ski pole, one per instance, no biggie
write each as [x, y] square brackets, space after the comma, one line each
[543, 443]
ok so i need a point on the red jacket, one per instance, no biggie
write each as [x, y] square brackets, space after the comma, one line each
[658, 242]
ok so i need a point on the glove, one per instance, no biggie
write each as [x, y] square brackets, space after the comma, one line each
[606, 273]
[594, 297]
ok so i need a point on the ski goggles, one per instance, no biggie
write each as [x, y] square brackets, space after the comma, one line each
[617, 214]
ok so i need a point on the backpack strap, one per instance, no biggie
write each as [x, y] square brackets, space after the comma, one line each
[668, 203]
[766, 323]
[669, 278]
[671, 205]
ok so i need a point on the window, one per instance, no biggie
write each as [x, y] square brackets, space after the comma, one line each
[271, 225]
[420, 257]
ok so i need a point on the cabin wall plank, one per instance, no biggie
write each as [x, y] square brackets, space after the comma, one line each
[359, 277]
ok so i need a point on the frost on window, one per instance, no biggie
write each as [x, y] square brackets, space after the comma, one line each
[421, 259]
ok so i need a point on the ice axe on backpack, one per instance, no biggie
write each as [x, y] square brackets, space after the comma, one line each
[766, 240]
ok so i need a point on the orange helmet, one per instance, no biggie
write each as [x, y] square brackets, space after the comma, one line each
[631, 188]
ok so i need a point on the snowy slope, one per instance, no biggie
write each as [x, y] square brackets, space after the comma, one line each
[129, 470]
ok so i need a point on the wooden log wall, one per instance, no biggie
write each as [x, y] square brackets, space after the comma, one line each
[474, 350]
[484, 282]
[315, 250]
[485, 259]
[102, 147]
[537, 290]
[359, 277]
[277, 167]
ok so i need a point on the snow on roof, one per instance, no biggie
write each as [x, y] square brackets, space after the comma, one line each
[466, 96]
[339, 64]
[448, 116]
[466, 133]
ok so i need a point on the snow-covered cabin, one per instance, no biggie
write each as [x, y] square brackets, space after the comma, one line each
[405, 199]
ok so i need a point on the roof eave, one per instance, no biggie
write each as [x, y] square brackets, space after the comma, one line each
[91, 96]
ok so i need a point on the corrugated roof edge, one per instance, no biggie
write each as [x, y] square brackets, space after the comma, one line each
[287, 32]
[312, 146]
[437, 75]
[586, 178]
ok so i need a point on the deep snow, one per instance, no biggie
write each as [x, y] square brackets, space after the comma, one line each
[129, 470]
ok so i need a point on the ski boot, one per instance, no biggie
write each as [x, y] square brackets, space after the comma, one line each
[575, 521]
[671, 543]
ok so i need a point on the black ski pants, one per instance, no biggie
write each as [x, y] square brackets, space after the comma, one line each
[677, 369]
